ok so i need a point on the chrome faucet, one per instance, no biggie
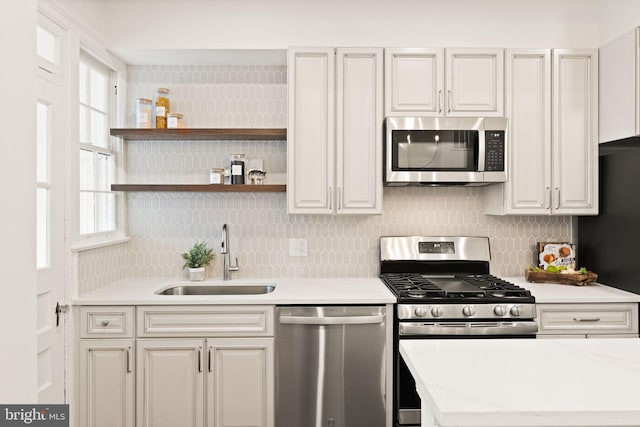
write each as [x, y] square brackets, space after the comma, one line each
[227, 268]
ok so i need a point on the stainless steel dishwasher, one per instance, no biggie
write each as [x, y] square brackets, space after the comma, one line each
[330, 366]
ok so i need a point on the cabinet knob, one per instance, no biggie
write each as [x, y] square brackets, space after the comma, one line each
[105, 323]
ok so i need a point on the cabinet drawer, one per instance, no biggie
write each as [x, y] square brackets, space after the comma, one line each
[591, 319]
[106, 322]
[205, 321]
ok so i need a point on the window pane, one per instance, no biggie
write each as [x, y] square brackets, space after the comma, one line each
[87, 180]
[84, 125]
[83, 80]
[105, 172]
[46, 44]
[87, 213]
[98, 124]
[98, 91]
[42, 142]
[106, 204]
[42, 227]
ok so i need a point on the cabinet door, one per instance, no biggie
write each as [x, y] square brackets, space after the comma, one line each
[359, 131]
[106, 383]
[240, 382]
[529, 112]
[575, 131]
[414, 82]
[620, 87]
[170, 382]
[311, 130]
[475, 82]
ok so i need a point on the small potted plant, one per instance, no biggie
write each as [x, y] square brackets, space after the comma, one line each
[196, 259]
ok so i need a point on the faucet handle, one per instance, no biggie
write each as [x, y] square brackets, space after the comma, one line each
[234, 267]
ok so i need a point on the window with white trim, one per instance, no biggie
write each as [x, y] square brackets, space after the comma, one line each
[98, 154]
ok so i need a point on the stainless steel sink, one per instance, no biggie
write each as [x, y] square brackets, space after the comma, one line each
[239, 289]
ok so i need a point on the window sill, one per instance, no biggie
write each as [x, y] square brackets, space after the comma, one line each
[99, 243]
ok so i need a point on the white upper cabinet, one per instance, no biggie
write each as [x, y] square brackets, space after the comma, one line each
[414, 81]
[475, 82]
[575, 131]
[553, 150]
[620, 87]
[416, 85]
[310, 131]
[334, 137]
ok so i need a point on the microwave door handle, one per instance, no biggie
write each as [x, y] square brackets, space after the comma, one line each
[481, 150]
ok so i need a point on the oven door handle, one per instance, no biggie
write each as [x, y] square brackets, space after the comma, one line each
[342, 320]
[468, 328]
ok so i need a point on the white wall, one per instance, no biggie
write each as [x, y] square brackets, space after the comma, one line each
[17, 186]
[617, 17]
[276, 24]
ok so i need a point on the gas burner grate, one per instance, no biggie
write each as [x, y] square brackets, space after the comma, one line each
[486, 287]
[412, 285]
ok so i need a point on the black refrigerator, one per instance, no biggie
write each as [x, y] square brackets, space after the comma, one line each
[609, 244]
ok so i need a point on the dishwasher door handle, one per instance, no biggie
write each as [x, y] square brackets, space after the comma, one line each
[344, 320]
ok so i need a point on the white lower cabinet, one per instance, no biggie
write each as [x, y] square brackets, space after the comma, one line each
[187, 366]
[170, 382]
[106, 383]
[616, 320]
[240, 382]
[221, 382]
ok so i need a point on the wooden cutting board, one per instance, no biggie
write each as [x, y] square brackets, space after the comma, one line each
[577, 279]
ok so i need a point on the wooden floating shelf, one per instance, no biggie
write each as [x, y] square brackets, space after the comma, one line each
[135, 134]
[208, 188]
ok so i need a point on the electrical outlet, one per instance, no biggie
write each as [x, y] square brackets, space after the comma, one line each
[297, 247]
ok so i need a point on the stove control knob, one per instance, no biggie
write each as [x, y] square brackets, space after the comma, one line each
[436, 311]
[499, 310]
[468, 310]
[515, 311]
[421, 311]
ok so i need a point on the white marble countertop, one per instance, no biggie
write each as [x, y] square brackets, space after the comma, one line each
[520, 382]
[334, 290]
[288, 291]
[592, 293]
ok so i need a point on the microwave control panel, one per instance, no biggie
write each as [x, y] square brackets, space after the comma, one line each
[494, 155]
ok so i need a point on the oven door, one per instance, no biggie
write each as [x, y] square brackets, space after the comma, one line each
[407, 401]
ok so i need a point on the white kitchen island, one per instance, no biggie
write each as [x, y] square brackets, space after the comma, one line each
[526, 382]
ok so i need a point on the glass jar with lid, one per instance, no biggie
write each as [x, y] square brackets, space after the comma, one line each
[143, 113]
[174, 121]
[237, 168]
[162, 107]
[216, 176]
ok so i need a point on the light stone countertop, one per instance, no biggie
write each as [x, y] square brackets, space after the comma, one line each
[592, 293]
[288, 291]
[520, 382]
[336, 290]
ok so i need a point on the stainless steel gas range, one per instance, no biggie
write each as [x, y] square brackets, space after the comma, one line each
[444, 291]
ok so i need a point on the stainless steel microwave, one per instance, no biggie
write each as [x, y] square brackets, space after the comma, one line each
[445, 151]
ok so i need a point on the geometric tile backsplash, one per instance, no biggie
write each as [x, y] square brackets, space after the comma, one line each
[163, 225]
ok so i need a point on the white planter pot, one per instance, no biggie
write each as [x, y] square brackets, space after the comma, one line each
[196, 274]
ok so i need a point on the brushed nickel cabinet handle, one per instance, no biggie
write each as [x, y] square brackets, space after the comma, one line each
[105, 323]
[128, 360]
[593, 319]
[199, 359]
[449, 101]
